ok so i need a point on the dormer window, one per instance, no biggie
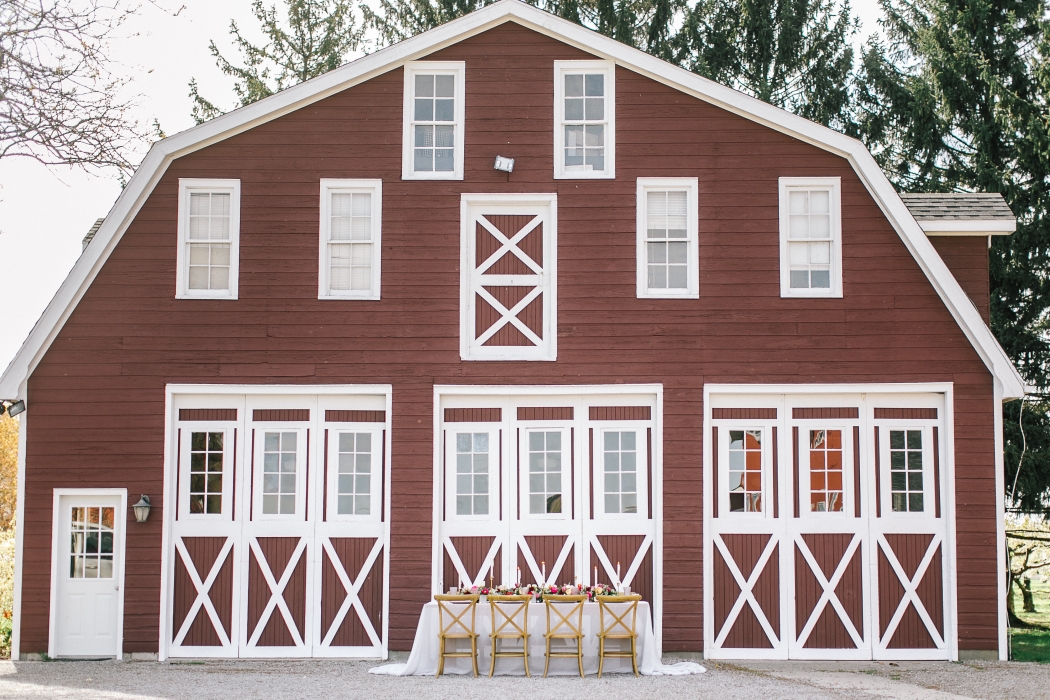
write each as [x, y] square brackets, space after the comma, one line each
[433, 121]
[584, 119]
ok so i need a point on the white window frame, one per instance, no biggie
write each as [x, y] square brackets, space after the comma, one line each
[691, 186]
[848, 468]
[608, 68]
[347, 186]
[185, 448]
[834, 186]
[375, 483]
[524, 490]
[929, 486]
[724, 442]
[495, 470]
[187, 186]
[258, 467]
[641, 471]
[413, 68]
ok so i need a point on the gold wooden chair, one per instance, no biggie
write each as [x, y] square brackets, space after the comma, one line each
[456, 627]
[510, 620]
[614, 625]
[566, 625]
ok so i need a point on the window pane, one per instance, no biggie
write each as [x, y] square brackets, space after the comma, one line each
[906, 475]
[355, 467]
[620, 457]
[574, 86]
[472, 466]
[544, 458]
[745, 450]
[279, 456]
[206, 455]
[595, 85]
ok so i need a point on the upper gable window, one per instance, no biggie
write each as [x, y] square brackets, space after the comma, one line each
[433, 130]
[810, 237]
[209, 232]
[668, 261]
[350, 239]
[584, 119]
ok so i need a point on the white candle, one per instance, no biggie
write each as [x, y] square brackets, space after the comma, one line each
[544, 565]
[594, 581]
[617, 572]
[519, 575]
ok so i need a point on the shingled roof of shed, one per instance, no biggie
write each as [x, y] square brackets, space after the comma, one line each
[953, 206]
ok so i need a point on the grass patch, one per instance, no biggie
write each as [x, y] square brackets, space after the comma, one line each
[1030, 645]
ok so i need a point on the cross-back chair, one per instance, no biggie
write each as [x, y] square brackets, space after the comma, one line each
[510, 620]
[564, 621]
[619, 618]
[453, 624]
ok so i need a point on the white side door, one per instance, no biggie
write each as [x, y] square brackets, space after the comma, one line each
[89, 563]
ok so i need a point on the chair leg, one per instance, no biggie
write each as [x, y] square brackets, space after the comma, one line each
[525, 643]
[547, 654]
[579, 654]
[441, 659]
[474, 654]
[492, 666]
[634, 657]
[601, 655]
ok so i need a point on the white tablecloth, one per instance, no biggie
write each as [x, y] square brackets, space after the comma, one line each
[423, 661]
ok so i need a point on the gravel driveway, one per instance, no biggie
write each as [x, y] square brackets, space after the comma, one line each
[317, 680]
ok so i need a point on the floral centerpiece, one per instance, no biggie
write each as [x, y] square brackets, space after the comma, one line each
[538, 592]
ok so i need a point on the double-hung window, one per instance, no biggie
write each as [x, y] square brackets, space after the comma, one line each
[668, 260]
[584, 119]
[351, 213]
[433, 121]
[209, 232]
[810, 237]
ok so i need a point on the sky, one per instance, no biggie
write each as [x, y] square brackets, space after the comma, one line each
[45, 212]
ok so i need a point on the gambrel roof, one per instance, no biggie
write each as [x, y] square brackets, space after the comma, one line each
[13, 382]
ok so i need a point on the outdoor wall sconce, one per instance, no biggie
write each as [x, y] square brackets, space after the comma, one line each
[505, 164]
[142, 509]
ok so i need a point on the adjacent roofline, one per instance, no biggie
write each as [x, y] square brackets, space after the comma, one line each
[967, 227]
[15, 377]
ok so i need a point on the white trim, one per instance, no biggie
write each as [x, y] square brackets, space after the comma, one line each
[691, 186]
[545, 208]
[457, 69]
[833, 185]
[186, 187]
[330, 186]
[968, 227]
[121, 516]
[608, 69]
[1000, 527]
[20, 514]
[164, 152]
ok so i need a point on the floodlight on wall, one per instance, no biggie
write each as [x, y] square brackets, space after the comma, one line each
[142, 509]
[505, 164]
[15, 408]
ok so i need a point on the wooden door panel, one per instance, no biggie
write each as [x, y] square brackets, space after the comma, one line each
[635, 556]
[911, 598]
[351, 592]
[475, 556]
[747, 591]
[550, 550]
[203, 589]
[277, 592]
[829, 597]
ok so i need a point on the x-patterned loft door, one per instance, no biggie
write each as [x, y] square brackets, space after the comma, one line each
[508, 303]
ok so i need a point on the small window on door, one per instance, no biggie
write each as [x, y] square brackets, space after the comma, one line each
[353, 482]
[668, 261]
[208, 240]
[745, 471]
[280, 472]
[91, 546]
[472, 473]
[906, 471]
[584, 119]
[826, 489]
[622, 472]
[810, 237]
[433, 121]
[351, 245]
[546, 482]
[207, 466]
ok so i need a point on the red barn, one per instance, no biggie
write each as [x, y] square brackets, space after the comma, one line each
[685, 341]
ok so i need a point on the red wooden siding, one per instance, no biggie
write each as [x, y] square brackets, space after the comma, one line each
[744, 413]
[801, 413]
[282, 414]
[620, 412]
[545, 413]
[129, 337]
[214, 414]
[906, 413]
[967, 258]
[473, 415]
[355, 416]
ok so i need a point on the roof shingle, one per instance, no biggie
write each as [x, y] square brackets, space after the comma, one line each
[958, 206]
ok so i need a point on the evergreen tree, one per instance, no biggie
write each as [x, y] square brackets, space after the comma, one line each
[795, 54]
[956, 100]
[319, 35]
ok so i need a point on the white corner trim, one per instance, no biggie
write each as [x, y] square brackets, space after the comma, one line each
[1000, 526]
[967, 227]
[458, 69]
[330, 186]
[164, 152]
[20, 515]
[691, 186]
